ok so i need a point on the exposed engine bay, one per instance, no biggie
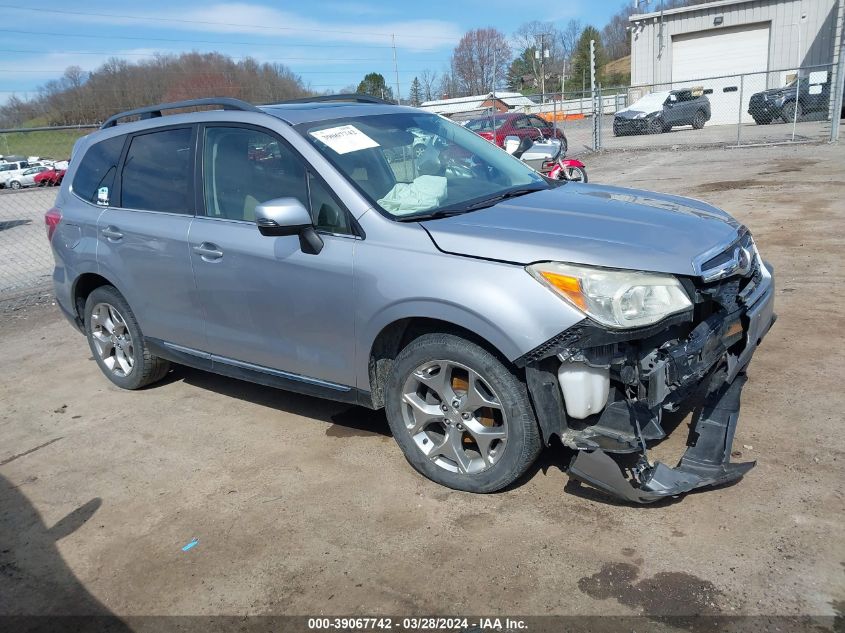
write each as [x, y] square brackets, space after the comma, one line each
[604, 391]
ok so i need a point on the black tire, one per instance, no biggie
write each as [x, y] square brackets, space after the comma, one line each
[576, 174]
[523, 443]
[656, 126]
[15, 184]
[699, 120]
[788, 111]
[147, 368]
[762, 120]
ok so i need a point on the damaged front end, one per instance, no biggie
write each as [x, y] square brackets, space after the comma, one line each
[604, 391]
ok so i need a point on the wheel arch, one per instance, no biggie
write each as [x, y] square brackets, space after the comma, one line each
[394, 336]
[83, 286]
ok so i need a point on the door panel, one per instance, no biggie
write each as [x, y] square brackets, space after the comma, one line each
[269, 304]
[144, 249]
[266, 302]
[146, 254]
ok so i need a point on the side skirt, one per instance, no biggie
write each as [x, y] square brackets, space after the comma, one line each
[258, 374]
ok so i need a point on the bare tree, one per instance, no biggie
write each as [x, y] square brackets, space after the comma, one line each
[615, 36]
[481, 57]
[428, 79]
[532, 39]
[569, 38]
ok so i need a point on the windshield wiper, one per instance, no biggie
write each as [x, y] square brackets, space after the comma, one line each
[473, 206]
[433, 215]
[510, 193]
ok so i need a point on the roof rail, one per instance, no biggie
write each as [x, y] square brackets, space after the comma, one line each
[152, 112]
[349, 97]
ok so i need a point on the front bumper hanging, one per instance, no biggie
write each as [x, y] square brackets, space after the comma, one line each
[706, 462]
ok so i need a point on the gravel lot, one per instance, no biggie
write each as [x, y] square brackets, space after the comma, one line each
[306, 507]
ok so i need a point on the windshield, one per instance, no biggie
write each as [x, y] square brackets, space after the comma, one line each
[416, 164]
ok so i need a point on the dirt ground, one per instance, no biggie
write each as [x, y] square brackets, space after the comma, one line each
[305, 507]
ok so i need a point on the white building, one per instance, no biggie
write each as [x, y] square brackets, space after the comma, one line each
[714, 44]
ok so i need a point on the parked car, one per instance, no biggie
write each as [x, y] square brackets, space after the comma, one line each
[18, 179]
[497, 126]
[781, 103]
[487, 309]
[659, 112]
[50, 177]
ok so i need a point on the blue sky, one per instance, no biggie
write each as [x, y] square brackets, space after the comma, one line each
[330, 43]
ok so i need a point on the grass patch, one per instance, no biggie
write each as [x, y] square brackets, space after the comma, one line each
[55, 144]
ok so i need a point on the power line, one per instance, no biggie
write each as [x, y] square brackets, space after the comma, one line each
[103, 36]
[212, 23]
[119, 54]
[206, 73]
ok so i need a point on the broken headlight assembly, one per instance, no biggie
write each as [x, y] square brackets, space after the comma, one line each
[618, 299]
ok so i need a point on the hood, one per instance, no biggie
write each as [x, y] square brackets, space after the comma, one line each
[633, 114]
[590, 224]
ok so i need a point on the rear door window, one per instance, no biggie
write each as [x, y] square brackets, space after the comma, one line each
[97, 170]
[158, 172]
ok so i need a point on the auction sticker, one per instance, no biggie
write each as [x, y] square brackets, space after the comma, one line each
[344, 139]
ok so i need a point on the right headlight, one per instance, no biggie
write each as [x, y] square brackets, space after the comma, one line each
[615, 298]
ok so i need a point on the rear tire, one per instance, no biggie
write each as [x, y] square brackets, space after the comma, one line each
[117, 343]
[699, 120]
[461, 417]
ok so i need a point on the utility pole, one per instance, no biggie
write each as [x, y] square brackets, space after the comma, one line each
[593, 94]
[396, 70]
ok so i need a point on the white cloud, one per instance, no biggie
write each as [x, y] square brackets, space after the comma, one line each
[268, 22]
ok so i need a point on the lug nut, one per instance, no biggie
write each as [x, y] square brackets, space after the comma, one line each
[466, 416]
[443, 407]
[460, 427]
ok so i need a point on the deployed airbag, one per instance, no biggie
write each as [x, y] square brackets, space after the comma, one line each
[424, 193]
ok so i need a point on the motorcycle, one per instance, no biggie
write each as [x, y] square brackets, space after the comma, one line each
[546, 157]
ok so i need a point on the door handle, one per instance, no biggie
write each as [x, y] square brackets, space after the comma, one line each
[112, 233]
[208, 251]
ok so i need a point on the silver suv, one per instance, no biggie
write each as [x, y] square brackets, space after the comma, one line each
[309, 246]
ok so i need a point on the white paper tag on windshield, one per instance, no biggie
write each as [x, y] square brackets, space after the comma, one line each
[344, 139]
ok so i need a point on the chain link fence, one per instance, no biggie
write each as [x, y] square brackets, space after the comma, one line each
[33, 167]
[779, 106]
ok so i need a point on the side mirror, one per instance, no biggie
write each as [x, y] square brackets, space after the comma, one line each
[287, 216]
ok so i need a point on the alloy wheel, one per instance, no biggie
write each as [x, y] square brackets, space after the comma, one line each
[454, 417]
[112, 339]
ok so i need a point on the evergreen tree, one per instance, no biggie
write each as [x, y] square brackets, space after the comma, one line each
[580, 72]
[415, 95]
[374, 84]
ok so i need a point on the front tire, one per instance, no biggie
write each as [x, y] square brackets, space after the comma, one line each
[117, 343]
[574, 174]
[461, 417]
[699, 120]
[656, 126]
[15, 184]
[791, 111]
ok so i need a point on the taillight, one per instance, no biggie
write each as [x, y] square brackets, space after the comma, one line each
[51, 221]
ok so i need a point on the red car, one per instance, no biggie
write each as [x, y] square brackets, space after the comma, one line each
[496, 127]
[50, 178]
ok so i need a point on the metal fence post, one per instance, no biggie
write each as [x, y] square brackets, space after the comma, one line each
[739, 118]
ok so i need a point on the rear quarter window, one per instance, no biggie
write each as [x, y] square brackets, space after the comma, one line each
[98, 169]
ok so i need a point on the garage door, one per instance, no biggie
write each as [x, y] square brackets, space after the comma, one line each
[719, 52]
